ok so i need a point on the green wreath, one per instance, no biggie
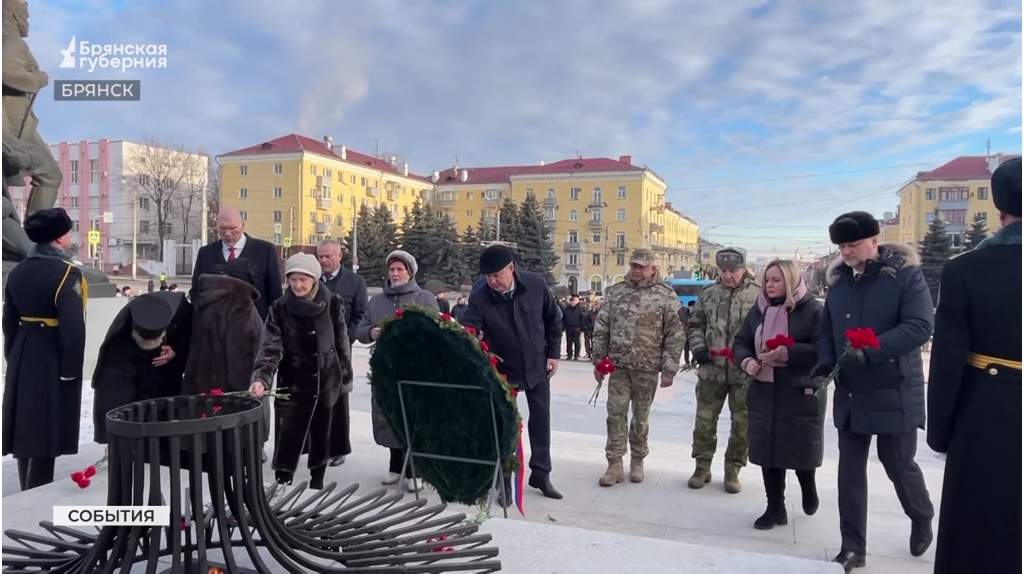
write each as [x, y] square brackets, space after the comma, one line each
[418, 344]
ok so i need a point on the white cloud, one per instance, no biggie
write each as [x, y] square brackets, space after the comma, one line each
[703, 92]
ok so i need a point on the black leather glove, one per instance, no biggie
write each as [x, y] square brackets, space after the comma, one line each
[702, 357]
[854, 359]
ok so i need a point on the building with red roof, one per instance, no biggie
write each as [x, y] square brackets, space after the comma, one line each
[295, 190]
[958, 190]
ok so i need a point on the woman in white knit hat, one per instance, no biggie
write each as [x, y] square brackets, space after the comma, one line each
[306, 328]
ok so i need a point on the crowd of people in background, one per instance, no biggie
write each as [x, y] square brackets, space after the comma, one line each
[763, 346]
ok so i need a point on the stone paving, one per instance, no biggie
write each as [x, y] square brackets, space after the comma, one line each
[662, 507]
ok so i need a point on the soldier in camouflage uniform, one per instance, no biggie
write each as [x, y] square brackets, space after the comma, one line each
[720, 311]
[638, 328]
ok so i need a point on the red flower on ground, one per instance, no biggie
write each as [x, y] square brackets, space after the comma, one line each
[398, 313]
[84, 483]
[78, 476]
[90, 471]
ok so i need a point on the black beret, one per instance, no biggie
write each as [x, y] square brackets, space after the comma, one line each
[494, 259]
[151, 316]
[47, 225]
[852, 227]
[1006, 187]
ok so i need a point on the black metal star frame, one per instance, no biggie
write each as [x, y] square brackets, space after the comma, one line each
[333, 530]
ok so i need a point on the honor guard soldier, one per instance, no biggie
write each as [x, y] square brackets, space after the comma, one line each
[974, 395]
[44, 346]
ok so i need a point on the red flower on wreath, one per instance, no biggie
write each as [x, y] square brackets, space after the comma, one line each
[398, 313]
[779, 341]
[470, 330]
[494, 361]
[445, 317]
[484, 346]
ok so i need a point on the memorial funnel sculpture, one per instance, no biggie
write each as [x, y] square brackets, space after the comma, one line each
[161, 451]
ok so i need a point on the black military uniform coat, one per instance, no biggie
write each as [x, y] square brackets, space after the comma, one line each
[974, 407]
[44, 346]
[125, 373]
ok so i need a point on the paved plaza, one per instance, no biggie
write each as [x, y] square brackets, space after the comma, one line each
[662, 507]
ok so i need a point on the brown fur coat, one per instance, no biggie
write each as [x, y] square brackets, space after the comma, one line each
[226, 330]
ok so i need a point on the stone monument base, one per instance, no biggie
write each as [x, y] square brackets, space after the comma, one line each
[99, 283]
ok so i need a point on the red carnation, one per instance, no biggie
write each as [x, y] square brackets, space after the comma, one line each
[398, 313]
[445, 317]
[78, 476]
[484, 346]
[605, 366]
[713, 353]
[862, 337]
[778, 341]
[216, 392]
[90, 471]
[493, 360]
[470, 330]
[84, 483]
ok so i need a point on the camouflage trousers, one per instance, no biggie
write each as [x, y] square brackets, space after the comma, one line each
[627, 387]
[711, 397]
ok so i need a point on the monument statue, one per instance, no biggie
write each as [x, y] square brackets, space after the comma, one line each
[25, 154]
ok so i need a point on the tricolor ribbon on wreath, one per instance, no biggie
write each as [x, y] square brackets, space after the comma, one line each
[517, 479]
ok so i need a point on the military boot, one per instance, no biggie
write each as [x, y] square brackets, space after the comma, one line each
[613, 475]
[701, 476]
[732, 481]
[636, 470]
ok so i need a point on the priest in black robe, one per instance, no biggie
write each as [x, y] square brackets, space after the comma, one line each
[143, 355]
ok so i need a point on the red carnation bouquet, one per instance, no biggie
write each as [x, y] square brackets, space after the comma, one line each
[605, 367]
[83, 478]
[779, 341]
[724, 352]
[856, 340]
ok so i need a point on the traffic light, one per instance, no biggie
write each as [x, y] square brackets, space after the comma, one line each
[696, 275]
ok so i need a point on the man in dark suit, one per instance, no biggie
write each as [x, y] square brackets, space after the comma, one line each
[974, 395]
[235, 243]
[519, 319]
[352, 289]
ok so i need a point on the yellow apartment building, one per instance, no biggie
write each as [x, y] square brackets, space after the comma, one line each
[959, 188]
[600, 209]
[297, 191]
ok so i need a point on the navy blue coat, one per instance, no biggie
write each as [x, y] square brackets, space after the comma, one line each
[525, 330]
[886, 395]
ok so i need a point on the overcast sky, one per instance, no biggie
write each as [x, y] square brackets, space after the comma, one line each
[766, 118]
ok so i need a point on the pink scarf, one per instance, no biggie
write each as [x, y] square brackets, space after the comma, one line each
[775, 323]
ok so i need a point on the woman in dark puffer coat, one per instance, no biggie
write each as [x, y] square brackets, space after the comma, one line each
[787, 419]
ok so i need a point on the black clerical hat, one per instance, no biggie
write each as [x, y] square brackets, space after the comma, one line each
[150, 316]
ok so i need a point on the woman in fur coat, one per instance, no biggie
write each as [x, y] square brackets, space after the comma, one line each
[305, 341]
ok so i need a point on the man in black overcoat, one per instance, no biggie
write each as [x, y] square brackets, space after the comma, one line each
[235, 243]
[352, 288]
[143, 355]
[974, 395]
[44, 347]
[519, 319]
[879, 393]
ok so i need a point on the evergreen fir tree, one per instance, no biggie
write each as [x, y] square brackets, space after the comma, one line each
[935, 251]
[417, 238]
[536, 251]
[510, 229]
[484, 229]
[977, 233]
[471, 250]
[449, 264]
[368, 248]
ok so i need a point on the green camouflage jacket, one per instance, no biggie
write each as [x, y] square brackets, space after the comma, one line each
[638, 327]
[715, 320]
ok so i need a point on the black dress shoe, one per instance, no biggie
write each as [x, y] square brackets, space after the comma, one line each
[921, 537]
[849, 560]
[544, 485]
[810, 502]
[337, 461]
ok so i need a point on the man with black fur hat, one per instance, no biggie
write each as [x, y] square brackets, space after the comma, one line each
[880, 391]
[519, 319]
[44, 347]
[974, 394]
[143, 355]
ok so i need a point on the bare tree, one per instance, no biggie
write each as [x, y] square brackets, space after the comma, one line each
[188, 200]
[163, 177]
[212, 198]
